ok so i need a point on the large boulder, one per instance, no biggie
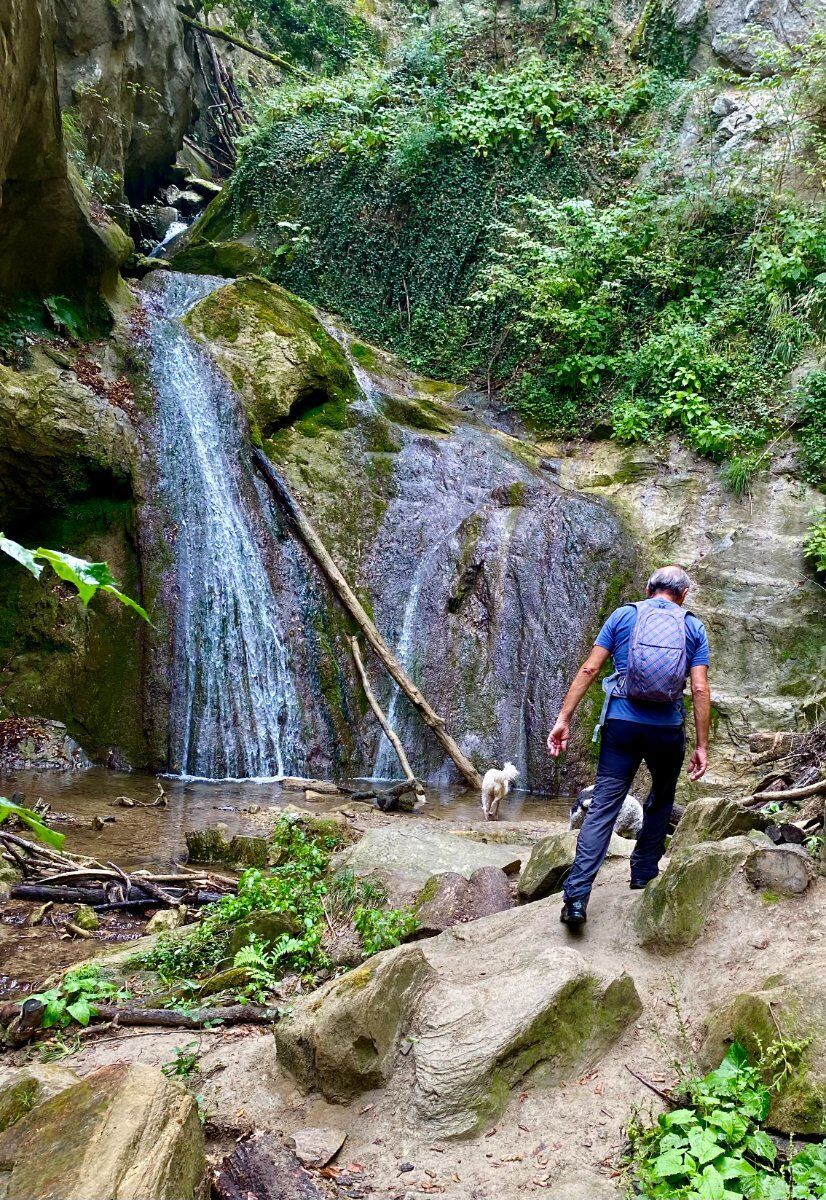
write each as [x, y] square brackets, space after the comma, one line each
[407, 855]
[342, 1039]
[124, 1131]
[480, 1005]
[505, 1000]
[451, 899]
[49, 240]
[674, 906]
[712, 820]
[796, 1004]
[276, 353]
[548, 866]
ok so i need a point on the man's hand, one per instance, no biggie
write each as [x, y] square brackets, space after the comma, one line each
[698, 763]
[558, 737]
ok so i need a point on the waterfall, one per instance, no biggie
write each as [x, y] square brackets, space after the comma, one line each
[234, 710]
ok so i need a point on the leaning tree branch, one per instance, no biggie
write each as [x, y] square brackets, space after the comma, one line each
[392, 737]
[350, 602]
[223, 35]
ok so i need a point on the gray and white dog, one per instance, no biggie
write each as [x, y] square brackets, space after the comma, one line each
[627, 824]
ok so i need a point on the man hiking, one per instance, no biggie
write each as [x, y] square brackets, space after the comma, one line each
[654, 644]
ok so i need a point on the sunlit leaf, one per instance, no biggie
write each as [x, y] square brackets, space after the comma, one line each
[41, 831]
[21, 554]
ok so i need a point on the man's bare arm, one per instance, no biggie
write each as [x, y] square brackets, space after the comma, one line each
[585, 676]
[701, 698]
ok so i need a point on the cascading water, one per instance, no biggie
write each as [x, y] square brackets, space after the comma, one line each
[234, 711]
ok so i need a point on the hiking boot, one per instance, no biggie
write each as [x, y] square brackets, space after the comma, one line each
[637, 885]
[573, 914]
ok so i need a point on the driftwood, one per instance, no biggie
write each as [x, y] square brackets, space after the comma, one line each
[790, 794]
[392, 737]
[261, 1167]
[354, 608]
[224, 35]
[25, 1020]
[99, 898]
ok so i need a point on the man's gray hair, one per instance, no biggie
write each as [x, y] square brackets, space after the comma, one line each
[673, 580]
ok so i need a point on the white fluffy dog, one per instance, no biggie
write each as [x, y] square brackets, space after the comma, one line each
[495, 786]
[628, 822]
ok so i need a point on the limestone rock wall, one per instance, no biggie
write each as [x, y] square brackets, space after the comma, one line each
[125, 82]
[47, 233]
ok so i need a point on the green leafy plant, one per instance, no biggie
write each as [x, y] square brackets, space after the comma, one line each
[714, 1148]
[87, 578]
[41, 831]
[184, 1061]
[815, 546]
[73, 999]
[381, 929]
[299, 886]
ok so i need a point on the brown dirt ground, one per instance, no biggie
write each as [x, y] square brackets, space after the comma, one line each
[547, 1133]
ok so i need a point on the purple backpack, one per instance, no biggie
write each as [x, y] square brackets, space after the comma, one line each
[656, 667]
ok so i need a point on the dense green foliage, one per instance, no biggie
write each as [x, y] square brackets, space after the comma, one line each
[311, 32]
[714, 1148]
[481, 210]
[299, 887]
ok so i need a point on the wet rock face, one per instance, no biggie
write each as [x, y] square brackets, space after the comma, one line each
[48, 239]
[490, 582]
[126, 81]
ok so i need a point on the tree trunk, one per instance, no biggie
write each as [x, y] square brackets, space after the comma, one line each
[352, 605]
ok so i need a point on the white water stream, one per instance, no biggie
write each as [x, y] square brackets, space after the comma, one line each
[234, 711]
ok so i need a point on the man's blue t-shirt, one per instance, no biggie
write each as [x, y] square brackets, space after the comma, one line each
[615, 637]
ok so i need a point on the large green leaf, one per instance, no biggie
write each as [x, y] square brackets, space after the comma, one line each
[88, 578]
[41, 831]
[20, 554]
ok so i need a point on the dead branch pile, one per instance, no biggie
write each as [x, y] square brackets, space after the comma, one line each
[64, 878]
[796, 781]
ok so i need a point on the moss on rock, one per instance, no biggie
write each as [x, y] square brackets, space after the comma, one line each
[794, 1005]
[277, 355]
[674, 907]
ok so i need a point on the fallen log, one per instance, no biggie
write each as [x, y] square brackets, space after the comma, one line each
[790, 794]
[391, 735]
[97, 897]
[354, 608]
[260, 1166]
[224, 35]
[25, 1020]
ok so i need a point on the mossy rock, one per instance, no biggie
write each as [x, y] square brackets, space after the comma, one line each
[228, 259]
[548, 866]
[86, 918]
[417, 413]
[674, 906]
[121, 1131]
[712, 820]
[342, 1039]
[277, 355]
[24, 1089]
[264, 927]
[796, 1004]
[214, 846]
